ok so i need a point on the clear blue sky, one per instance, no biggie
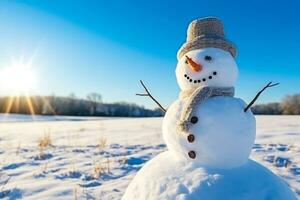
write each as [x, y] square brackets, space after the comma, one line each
[107, 46]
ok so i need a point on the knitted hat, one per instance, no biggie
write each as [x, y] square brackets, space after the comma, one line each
[206, 32]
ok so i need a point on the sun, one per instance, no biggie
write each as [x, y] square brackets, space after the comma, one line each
[17, 82]
[17, 79]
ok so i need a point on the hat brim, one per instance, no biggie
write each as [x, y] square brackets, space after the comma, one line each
[205, 42]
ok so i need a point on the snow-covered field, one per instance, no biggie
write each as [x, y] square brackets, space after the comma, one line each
[30, 118]
[96, 158]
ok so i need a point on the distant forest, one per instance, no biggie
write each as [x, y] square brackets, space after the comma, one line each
[73, 106]
[93, 106]
[290, 105]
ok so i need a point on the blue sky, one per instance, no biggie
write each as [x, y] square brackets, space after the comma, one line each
[108, 46]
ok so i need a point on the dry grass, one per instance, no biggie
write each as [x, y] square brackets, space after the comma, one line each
[101, 167]
[98, 169]
[108, 165]
[82, 193]
[44, 142]
[81, 129]
[122, 160]
[75, 191]
[45, 167]
[102, 143]
[73, 167]
[18, 148]
[4, 184]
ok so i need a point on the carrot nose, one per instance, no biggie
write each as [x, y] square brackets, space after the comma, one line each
[195, 66]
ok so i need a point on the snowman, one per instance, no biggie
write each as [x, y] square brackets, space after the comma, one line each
[209, 133]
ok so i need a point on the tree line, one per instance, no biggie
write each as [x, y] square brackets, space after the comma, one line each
[290, 105]
[73, 106]
[92, 105]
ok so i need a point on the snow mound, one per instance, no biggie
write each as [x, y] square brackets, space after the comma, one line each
[168, 178]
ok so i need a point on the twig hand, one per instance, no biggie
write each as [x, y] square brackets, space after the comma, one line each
[270, 84]
[149, 95]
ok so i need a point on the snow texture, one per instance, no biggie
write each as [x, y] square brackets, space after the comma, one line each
[169, 178]
[68, 169]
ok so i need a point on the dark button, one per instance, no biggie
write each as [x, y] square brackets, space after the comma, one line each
[191, 138]
[208, 58]
[192, 154]
[194, 119]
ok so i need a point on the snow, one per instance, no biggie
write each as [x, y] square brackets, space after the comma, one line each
[168, 178]
[68, 168]
[30, 118]
[222, 63]
[214, 132]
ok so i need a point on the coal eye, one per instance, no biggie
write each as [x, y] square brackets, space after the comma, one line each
[208, 58]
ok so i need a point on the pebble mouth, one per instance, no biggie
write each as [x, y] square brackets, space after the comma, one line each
[200, 80]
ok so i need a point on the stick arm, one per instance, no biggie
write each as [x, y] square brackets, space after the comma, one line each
[148, 94]
[270, 84]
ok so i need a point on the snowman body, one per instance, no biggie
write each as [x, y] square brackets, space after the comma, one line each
[209, 135]
[224, 135]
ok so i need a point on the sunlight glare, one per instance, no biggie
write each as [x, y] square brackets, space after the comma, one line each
[18, 78]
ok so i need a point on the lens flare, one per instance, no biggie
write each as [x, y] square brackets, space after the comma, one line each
[17, 79]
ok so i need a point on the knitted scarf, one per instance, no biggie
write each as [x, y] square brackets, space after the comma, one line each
[194, 98]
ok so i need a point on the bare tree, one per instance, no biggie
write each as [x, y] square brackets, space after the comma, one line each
[72, 95]
[267, 109]
[291, 105]
[95, 99]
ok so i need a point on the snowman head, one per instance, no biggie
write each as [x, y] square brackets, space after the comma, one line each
[207, 57]
[206, 67]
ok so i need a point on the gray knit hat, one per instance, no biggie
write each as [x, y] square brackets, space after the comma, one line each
[206, 32]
